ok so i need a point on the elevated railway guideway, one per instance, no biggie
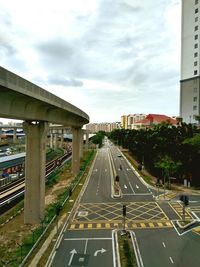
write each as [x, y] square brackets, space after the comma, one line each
[23, 100]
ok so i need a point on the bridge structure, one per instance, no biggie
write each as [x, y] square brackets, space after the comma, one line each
[23, 100]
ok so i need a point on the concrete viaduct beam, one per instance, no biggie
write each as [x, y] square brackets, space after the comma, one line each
[23, 100]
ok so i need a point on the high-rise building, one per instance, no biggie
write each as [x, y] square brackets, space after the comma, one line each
[190, 60]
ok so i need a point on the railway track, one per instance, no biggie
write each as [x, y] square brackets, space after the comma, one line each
[14, 192]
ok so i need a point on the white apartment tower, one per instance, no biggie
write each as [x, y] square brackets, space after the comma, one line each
[190, 61]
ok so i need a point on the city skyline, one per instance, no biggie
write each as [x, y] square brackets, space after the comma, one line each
[96, 55]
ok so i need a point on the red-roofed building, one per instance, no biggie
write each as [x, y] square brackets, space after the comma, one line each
[154, 119]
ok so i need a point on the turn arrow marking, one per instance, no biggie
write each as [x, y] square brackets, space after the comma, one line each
[100, 250]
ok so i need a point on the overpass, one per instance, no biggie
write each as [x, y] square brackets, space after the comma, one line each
[23, 100]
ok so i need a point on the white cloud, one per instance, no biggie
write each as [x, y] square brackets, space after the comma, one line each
[107, 57]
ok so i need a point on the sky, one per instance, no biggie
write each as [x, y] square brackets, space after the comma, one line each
[107, 57]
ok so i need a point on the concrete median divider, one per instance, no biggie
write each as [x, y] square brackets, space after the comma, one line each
[115, 187]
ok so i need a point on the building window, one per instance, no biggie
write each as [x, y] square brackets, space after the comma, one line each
[195, 90]
[196, 2]
[196, 36]
[196, 10]
[195, 63]
[194, 107]
[195, 98]
[195, 45]
[196, 28]
[195, 72]
[195, 54]
[196, 19]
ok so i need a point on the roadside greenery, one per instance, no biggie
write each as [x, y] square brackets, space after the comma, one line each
[165, 150]
[97, 139]
[126, 251]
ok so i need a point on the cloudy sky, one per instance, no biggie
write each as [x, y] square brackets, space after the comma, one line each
[107, 57]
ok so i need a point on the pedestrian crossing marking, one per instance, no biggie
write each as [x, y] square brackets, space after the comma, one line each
[137, 225]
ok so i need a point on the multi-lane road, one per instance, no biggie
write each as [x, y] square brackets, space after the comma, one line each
[89, 240]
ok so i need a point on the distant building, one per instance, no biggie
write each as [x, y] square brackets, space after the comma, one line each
[190, 60]
[152, 120]
[124, 121]
[103, 126]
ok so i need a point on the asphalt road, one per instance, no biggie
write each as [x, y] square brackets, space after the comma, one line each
[88, 240]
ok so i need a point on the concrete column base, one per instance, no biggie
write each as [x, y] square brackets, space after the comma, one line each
[35, 171]
[76, 151]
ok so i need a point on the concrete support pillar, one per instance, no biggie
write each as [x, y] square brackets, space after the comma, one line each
[14, 135]
[51, 139]
[35, 171]
[76, 150]
[55, 141]
[62, 138]
[81, 143]
[87, 140]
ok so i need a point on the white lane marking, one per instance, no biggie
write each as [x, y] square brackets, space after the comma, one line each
[131, 187]
[171, 260]
[137, 186]
[164, 245]
[86, 242]
[125, 186]
[105, 170]
[90, 238]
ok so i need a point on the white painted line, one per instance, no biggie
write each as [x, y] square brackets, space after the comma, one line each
[90, 238]
[125, 186]
[171, 260]
[86, 243]
[137, 186]
[138, 194]
[131, 187]
[105, 170]
[164, 245]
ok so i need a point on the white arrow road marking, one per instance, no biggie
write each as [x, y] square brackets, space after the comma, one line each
[100, 250]
[125, 186]
[164, 245]
[105, 170]
[171, 260]
[137, 186]
[71, 258]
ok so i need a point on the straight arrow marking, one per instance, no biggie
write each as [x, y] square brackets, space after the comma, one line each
[71, 258]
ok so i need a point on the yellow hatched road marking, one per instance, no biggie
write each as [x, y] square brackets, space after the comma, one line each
[151, 225]
[160, 224]
[168, 224]
[143, 225]
[98, 225]
[89, 225]
[107, 225]
[72, 226]
[134, 225]
[81, 226]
